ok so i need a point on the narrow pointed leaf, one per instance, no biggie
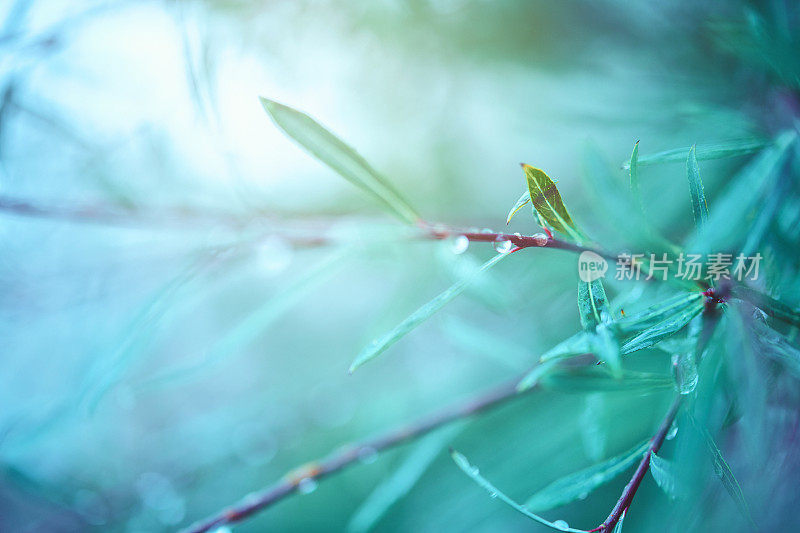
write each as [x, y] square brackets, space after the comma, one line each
[524, 200]
[253, 324]
[594, 426]
[768, 304]
[619, 208]
[548, 203]
[719, 150]
[400, 483]
[475, 475]
[420, 315]
[699, 206]
[743, 197]
[636, 191]
[663, 473]
[575, 486]
[592, 304]
[605, 347]
[657, 313]
[597, 379]
[532, 378]
[578, 344]
[726, 476]
[777, 346]
[332, 151]
[655, 334]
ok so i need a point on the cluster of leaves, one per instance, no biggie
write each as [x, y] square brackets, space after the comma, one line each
[675, 324]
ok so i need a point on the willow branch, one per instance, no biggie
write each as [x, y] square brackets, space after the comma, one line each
[633, 485]
[350, 454]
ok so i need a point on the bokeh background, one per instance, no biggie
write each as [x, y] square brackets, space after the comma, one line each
[170, 340]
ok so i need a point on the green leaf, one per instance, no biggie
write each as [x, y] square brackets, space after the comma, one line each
[699, 206]
[474, 338]
[578, 344]
[253, 324]
[660, 331]
[332, 151]
[663, 473]
[605, 347]
[420, 315]
[768, 304]
[548, 203]
[636, 190]
[592, 304]
[532, 378]
[621, 211]
[594, 426]
[475, 475]
[598, 379]
[108, 370]
[777, 346]
[726, 475]
[742, 197]
[718, 150]
[400, 483]
[524, 200]
[657, 313]
[575, 486]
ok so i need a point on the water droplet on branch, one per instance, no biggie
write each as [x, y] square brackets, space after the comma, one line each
[539, 239]
[502, 246]
[460, 244]
[307, 485]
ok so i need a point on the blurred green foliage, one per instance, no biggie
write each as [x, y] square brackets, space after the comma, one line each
[175, 338]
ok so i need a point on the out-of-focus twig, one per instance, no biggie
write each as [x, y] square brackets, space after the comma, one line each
[348, 455]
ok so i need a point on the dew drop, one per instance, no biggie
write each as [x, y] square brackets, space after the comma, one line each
[486, 230]
[493, 495]
[275, 255]
[367, 455]
[539, 239]
[684, 371]
[561, 524]
[307, 485]
[502, 246]
[583, 495]
[460, 244]
[475, 471]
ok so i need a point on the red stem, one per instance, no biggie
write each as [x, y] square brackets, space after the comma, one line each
[633, 485]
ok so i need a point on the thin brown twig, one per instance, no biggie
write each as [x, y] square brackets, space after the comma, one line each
[350, 454]
[633, 485]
